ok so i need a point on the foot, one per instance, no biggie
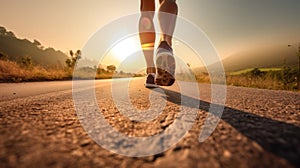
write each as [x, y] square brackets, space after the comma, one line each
[165, 64]
[150, 81]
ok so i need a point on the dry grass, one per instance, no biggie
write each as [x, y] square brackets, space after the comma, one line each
[13, 72]
[255, 82]
[203, 77]
[265, 82]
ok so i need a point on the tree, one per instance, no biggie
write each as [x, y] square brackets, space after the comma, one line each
[37, 43]
[111, 68]
[288, 75]
[71, 62]
[10, 34]
[71, 53]
[77, 56]
[2, 30]
[27, 62]
[256, 72]
[100, 70]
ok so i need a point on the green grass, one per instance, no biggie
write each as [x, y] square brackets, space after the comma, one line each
[264, 78]
[245, 71]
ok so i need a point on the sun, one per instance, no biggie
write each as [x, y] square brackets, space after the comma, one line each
[125, 48]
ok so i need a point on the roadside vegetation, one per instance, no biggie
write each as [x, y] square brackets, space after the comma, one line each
[284, 78]
[26, 71]
[22, 60]
[11, 71]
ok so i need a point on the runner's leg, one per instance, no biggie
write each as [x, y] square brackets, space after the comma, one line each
[147, 33]
[165, 61]
[167, 21]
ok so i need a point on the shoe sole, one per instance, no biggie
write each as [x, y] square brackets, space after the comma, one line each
[165, 69]
[147, 85]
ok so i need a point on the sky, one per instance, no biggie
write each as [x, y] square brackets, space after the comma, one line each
[231, 25]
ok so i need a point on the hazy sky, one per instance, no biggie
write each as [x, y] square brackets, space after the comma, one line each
[231, 25]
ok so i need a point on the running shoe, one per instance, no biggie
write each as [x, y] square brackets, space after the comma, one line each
[165, 64]
[150, 81]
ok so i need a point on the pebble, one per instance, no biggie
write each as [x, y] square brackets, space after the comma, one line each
[227, 154]
[85, 143]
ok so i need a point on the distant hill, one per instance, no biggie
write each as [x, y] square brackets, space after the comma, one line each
[17, 48]
[261, 57]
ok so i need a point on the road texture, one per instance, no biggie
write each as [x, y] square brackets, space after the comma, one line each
[39, 128]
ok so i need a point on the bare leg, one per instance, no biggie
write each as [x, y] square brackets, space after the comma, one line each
[167, 19]
[147, 33]
[165, 61]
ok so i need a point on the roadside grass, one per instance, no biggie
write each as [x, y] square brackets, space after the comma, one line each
[240, 72]
[263, 78]
[13, 72]
[256, 82]
[245, 71]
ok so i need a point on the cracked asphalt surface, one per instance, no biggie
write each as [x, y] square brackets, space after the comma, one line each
[39, 127]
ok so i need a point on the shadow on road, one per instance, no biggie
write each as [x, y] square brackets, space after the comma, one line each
[277, 137]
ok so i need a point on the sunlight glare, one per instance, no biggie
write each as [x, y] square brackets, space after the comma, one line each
[125, 48]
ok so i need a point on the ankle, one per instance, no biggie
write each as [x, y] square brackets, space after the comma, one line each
[151, 70]
[168, 40]
[165, 45]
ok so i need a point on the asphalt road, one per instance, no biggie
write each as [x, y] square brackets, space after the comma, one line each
[39, 127]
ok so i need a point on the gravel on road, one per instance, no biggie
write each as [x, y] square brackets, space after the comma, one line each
[258, 128]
